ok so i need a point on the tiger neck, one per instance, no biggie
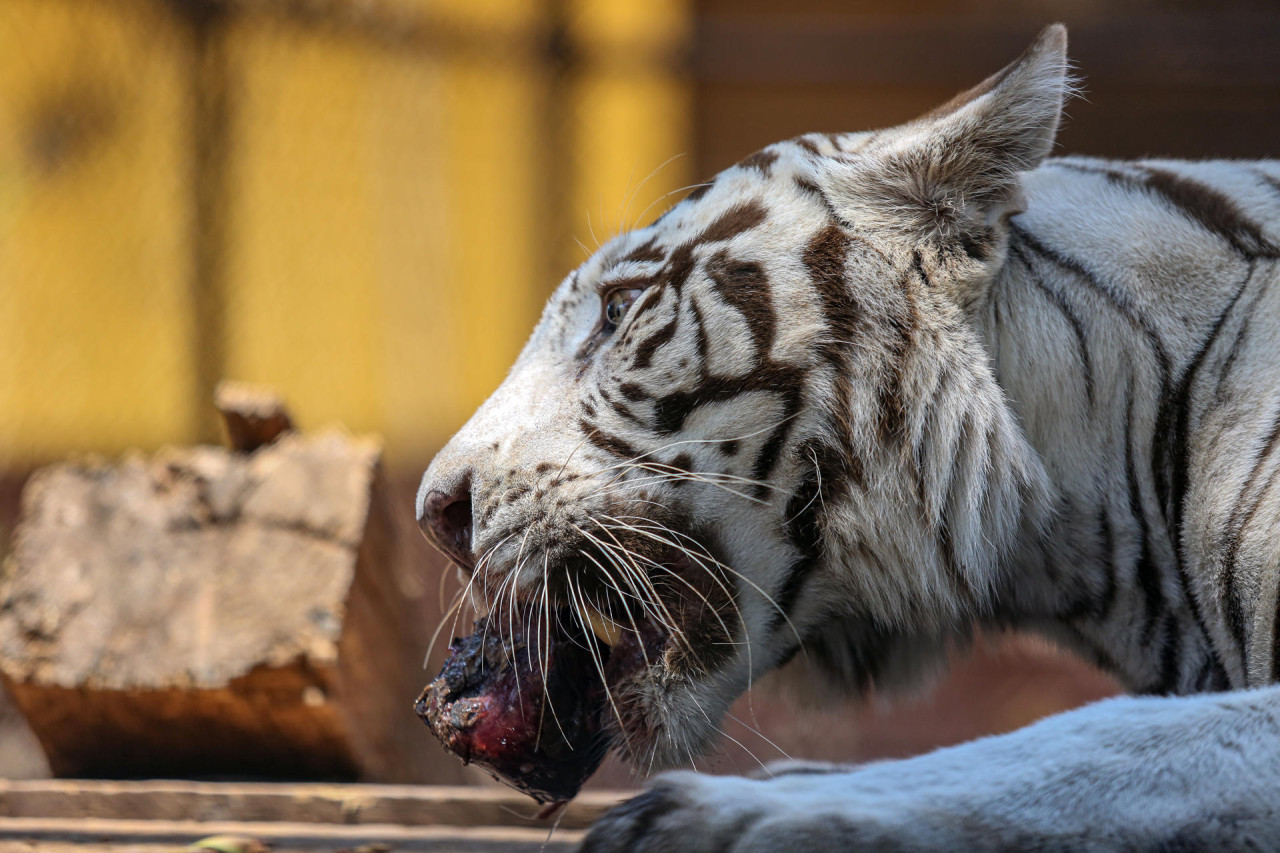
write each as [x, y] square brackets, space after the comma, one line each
[1105, 578]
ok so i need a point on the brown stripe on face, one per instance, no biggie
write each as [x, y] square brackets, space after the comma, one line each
[744, 285]
[625, 411]
[677, 270]
[979, 242]
[789, 387]
[700, 190]
[646, 253]
[608, 442]
[824, 258]
[1213, 210]
[807, 145]
[633, 392]
[761, 160]
[740, 218]
[683, 464]
[892, 405]
[646, 348]
[670, 410]
[813, 189]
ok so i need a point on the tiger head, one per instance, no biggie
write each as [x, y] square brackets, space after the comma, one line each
[768, 422]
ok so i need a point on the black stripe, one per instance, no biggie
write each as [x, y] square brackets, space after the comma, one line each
[1118, 301]
[772, 447]
[1171, 449]
[700, 330]
[1214, 211]
[1270, 180]
[808, 145]
[1069, 314]
[624, 411]
[824, 259]
[1236, 523]
[1174, 417]
[805, 535]
[917, 263]
[670, 410]
[1242, 334]
[1170, 656]
[1108, 598]
[698, 191]
[1207, 206]
[1147, 573]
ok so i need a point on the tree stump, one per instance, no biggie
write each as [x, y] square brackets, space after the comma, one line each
[208, 612]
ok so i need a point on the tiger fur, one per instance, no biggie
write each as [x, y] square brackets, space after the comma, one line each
[894, 387]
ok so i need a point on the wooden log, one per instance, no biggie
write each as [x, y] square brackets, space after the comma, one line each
[254, 416]
[68, 816]
[204, 612]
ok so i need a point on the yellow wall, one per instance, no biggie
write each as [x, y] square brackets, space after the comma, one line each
[95, 319]
[383, 207]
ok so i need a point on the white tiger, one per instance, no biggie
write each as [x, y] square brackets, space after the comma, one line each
[868, 392]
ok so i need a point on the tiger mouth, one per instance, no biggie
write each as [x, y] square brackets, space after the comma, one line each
[538, 697]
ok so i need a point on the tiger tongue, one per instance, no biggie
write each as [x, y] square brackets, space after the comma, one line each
[494, 705]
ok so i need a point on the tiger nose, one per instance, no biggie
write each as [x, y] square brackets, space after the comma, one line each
[445, 519]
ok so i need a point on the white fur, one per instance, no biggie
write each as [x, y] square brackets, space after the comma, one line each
[1050, 406]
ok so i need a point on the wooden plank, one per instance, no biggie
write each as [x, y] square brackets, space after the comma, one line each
[93, 832]
[402, 805]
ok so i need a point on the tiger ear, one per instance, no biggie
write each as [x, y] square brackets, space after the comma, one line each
[952, 175]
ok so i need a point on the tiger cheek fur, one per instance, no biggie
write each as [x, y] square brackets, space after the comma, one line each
[790, 398]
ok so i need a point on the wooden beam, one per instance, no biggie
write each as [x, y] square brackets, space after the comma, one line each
[302, 803]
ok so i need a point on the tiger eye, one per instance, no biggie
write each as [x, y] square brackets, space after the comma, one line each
[617, 303]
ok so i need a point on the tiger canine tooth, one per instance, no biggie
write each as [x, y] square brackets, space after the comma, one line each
[606, 631]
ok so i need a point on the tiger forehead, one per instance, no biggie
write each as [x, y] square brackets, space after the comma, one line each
[736, 201]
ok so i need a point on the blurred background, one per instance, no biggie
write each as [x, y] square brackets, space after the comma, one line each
[364, 203]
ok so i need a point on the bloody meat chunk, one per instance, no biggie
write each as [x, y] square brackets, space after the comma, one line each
[537, 728]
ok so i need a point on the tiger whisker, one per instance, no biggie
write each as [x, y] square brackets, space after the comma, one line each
[664, 617]
[630, 618]
[683, 441]
[633, 557]
[668, 195]
[667, 478]
[578, 608]
[755, 730]
[624, 219]
[692, 555]
[715, 612]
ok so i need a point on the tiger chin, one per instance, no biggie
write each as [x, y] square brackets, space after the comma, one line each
[865, 393]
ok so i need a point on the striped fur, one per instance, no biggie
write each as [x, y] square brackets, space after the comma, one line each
[909, 383]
